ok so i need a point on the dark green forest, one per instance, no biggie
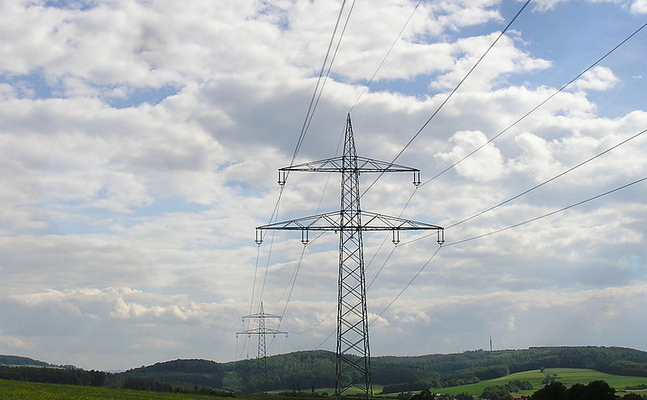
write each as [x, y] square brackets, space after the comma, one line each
[306, 370]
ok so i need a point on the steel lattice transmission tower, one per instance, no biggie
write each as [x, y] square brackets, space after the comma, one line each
[353, 369]
[261, 331]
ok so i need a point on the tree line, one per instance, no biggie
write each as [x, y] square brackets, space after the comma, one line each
[81, 377]
[306, 370]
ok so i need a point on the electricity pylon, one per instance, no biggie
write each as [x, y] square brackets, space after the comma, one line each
[261, 331]
[353, 364]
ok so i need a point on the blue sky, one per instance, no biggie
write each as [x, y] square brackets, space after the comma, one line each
[140, 143]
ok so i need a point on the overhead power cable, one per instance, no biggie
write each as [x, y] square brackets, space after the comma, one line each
[537, 106]
[518, 121]
[386, 55]
[415, 136]
[547, 181]
[503, 230]
[536, 186]
[548, 214]
[321, 81]
[407, 285]
[437, 111]
[316, 95]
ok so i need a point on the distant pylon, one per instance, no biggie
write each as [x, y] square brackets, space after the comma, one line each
[353, 366]
[262, 377]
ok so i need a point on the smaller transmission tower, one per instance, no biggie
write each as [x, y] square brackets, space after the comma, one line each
[262, 377]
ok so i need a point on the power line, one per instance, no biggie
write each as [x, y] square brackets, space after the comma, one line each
[537, 186]
[321, 321]
[502, 230]
[525, 192]
[537, 106]
[316, 95]
[408, 284]
[423, 127]
[548, 214]
[342, 136]
[547, 181]
[386, 56]
[308, 118]
[515, 123]
[450, 95]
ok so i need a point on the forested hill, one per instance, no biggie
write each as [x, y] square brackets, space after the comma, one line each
[308, 369]
[22, 362]
[316, 369]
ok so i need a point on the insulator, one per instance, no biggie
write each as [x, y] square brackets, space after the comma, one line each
[304, 236]
[416, 178]
[441, 236]
[396, 236]
[282, 177]
[259, 237]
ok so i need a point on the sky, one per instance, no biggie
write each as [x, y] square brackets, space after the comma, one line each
[140, 142]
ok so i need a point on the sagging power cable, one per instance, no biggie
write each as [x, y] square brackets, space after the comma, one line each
[370, 81]
[537, 106]
[415, 136]
[547, 214]
[571, 169]
[579, 203]
[314, 100]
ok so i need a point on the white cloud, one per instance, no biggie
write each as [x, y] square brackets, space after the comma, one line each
[139, 145]
[537, 157]
[503, 59]
[639, 7]
[485, 166]
[598, 78]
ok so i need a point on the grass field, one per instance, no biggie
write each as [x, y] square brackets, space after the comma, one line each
[14, 390]
[568, 376]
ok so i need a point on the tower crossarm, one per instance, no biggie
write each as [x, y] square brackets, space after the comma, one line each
[261, 315]
[259, 331]
[336, 164]
[333, 221]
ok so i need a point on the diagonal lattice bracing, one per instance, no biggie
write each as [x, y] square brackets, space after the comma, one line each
[353, 364]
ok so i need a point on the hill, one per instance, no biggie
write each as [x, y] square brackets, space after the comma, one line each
[315, 369]
[23, 362]
[567, 376]
[307, 370]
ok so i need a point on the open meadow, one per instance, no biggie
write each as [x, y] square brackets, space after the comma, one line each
[16, 390]
[568, 376]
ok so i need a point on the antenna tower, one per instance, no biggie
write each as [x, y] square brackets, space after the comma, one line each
[353, 365]
[261, 331]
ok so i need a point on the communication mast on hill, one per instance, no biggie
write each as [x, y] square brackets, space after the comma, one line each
[353, 369]
[261, 331]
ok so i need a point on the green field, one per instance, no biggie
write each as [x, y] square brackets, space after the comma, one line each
[15, 390]
[568, 376]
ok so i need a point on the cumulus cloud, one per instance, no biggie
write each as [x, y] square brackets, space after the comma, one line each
[598, 78]
[144, 320]
[487, 165]
[505, 59]
[139, 144]
[537, 155]
[639, 7]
